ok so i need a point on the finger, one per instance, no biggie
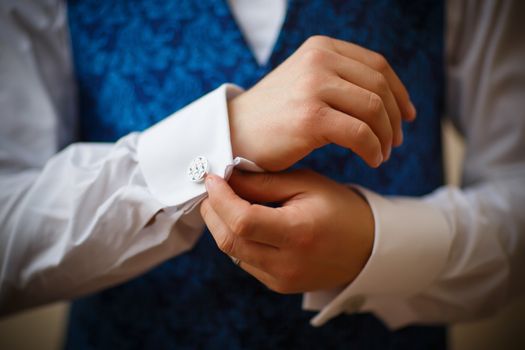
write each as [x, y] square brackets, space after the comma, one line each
[251, 252]
[275, 187]
[346, 131]
[272, 280]
[252, 222]
[379, 63]
[263, 277]
[223, 198]
[362, 75]
[364, 105]
[269, 187]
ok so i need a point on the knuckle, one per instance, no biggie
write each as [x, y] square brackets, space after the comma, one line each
[360, 134]
[308, 124]
[226, 245]
[310, 83]
[319, 112]
[242, 223]
[381, 84]
[312, 113]
[375, 104]
[314, 57]
[378, 62]
[317, 40]
[389, 135]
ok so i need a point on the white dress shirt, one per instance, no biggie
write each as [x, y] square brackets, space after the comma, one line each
[79, 217]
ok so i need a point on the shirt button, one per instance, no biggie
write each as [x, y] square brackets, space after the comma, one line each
[355, 303]
[198, 169]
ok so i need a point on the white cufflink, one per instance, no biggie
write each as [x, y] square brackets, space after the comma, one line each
[198, 169]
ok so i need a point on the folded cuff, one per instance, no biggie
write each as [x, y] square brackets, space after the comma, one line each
[166, 150]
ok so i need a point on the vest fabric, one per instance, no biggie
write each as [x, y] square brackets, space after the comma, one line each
[139, 61]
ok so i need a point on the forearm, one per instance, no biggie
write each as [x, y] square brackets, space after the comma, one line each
[82, 223]
[484, 267]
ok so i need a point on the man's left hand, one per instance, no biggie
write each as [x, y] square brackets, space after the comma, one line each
[320, 237]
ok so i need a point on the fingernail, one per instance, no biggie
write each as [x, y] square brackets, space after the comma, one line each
[411, 110]
[379, 159]
[210, 181]
[388, 152]
[399, 139]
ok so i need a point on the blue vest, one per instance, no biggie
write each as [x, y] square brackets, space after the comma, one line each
[139, 61]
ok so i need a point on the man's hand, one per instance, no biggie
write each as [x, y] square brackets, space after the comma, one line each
[321, 236]
[328, 91]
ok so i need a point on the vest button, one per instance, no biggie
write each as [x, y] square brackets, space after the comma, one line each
[198, 169]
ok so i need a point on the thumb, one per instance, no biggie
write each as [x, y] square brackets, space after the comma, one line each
[271, 187]
[221, 194]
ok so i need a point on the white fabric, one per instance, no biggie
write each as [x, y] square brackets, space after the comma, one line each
[81, 219]
[260, 21]
[206, 124]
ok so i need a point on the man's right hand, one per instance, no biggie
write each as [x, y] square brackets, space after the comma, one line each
[328, 91]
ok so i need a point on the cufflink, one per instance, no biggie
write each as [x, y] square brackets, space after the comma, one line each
[198, 169]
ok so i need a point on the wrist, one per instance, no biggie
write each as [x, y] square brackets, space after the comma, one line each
[366, 232]
[238, 148]
[244, 140]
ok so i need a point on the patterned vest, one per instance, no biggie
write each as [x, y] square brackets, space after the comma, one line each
[139, 61]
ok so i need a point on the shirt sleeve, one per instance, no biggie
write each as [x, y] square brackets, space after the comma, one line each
[457, 253]
[79, 217]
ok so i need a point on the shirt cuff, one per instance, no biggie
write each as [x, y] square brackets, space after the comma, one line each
[411, 245]
[166, 150]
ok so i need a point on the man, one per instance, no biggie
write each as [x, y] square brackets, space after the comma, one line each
[95, 215]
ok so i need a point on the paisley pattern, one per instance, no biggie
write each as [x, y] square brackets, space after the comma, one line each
[139, 61]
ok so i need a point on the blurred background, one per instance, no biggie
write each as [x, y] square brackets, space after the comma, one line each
[43, 328]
